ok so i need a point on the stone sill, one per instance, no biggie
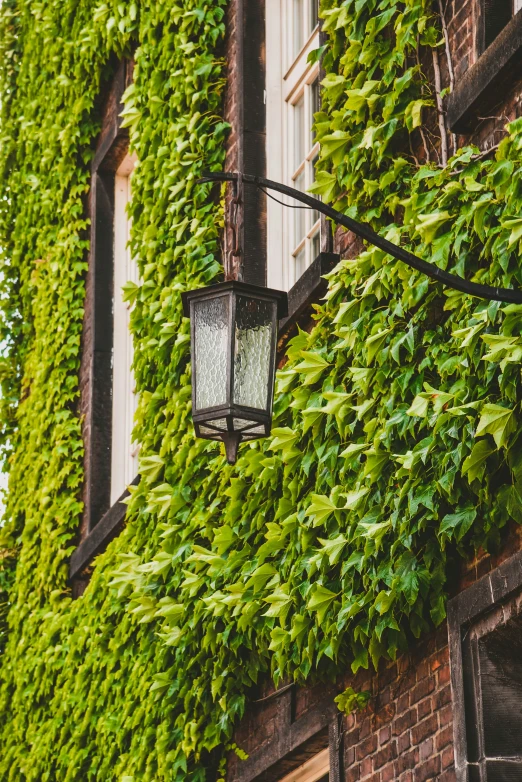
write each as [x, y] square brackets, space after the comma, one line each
[488, 81]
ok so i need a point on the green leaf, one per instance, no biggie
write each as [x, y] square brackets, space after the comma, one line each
[475, 463]
[456, 525]
[320, 601]
[498, 421]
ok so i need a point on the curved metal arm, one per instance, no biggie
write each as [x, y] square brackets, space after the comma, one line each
[364, 231]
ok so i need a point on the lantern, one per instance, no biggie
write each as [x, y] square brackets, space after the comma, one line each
[234, 328]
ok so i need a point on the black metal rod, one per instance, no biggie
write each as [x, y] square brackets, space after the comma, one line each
[364, 231]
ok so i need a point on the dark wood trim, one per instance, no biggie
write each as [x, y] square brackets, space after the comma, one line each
[97, 339]
[293, 743]
[100, 522]
[465, 609]
[336, 747]
[308, 290]
[251, 80]
[488, 81]
[109, 526]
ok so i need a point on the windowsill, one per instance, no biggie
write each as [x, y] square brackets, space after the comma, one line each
[309, 289]
[100, 536]
[488, 81]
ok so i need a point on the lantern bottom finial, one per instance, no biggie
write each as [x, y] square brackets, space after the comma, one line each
[231, 440]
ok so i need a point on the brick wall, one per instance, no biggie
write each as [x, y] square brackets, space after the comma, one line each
[406, 732]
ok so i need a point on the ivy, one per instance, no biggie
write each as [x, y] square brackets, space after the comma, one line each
[397, 445]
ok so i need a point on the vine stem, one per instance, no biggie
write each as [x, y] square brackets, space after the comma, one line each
[451, 72]
[440, 109]
[421, 129]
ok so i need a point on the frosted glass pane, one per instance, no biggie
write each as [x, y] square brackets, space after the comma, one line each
[220, 423]
[252, 352]
[254, 427]
[211, 333]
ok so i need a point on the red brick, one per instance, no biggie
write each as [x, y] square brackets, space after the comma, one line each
[403, 743]
[424, 729]
[408, 760]
[426, 750]
[448, 758]
[404, 722]
[443, 675]
[428, 770]
[367, 747]
[385, 755]
[422, 689]
[388, 774]
[442, 697]
[444, 738]
[384, 735]
[448, 776]
[353, 774]
[366, 767]
[424, 708]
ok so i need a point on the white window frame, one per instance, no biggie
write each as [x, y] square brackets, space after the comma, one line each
[517, 6]
[287, 79]
[124, 453]
[312, 770]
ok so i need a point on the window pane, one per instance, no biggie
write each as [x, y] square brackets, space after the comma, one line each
[299, 132]
[298, 26]
[313, 164]
[300, 263]
[315, 103]
[316, 246]
[299, 214]
[314, 13]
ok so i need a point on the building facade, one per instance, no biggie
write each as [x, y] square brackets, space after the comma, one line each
[345, 602]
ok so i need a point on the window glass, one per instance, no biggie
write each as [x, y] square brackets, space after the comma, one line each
[497, 14]
[293, 97]
[124, 453]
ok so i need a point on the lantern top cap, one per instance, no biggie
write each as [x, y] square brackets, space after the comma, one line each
[233, 286]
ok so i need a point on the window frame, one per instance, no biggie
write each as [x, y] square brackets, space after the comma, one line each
[124, 453]
[101, 519]
[465, 613]
[490, 79]
[288, 77]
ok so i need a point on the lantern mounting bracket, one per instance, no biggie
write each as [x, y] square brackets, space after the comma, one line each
[365, 232]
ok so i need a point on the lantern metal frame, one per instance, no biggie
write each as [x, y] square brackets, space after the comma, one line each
[232, 411]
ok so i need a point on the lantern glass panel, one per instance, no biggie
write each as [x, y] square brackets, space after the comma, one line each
[211, 332]
[253, 346]
[218, 423]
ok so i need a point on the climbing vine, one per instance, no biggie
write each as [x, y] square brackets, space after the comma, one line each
[396, 447]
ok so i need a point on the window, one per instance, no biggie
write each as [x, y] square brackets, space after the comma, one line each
[292, 98]
[314, 770]
[493, 693]
[124, 453]
[497, 14]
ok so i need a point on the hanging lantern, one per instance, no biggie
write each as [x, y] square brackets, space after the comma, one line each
[234, 327]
